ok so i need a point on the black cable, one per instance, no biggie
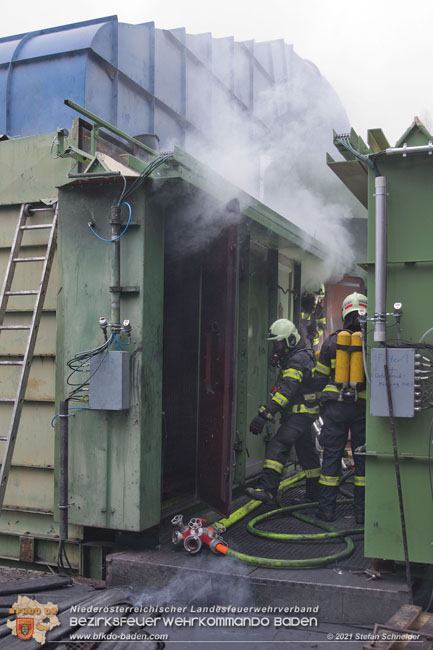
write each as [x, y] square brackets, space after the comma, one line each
[151, 167]
[430, 442]
[80, 359]
[397, 476]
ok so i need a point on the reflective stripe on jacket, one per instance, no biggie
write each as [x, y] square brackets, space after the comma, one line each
[294, 389]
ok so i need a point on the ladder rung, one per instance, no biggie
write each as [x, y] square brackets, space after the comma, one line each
[29, 259]
[39, 226]
[47, 209]
[11, 363]
[7, 399]
[15, 327]
[32, 292]
[3, 437]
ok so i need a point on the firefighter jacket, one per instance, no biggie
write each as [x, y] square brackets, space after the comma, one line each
[293, 391]
[324, 374]
[313, 324]
[320, 318]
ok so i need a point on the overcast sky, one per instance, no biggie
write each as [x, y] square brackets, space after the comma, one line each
[377, 54]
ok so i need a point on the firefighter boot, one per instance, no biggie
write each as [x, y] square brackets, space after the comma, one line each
[259, 494]
[311, 492]
[327, 500]
[312, 489]
[358, 503]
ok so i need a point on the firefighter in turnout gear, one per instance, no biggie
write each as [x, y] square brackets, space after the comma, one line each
[294, 400]
[313, 319]
[339, 375]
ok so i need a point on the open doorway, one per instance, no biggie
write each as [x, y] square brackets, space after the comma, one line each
[199, 343]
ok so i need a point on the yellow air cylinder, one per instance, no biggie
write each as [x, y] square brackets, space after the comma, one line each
[342, 358]
[356, 363]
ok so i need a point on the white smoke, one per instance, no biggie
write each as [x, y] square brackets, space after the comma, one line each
[280, 152]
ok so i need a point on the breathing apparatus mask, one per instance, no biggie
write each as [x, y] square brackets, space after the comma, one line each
[279, 351]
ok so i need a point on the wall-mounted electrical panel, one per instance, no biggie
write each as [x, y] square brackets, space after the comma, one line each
[109, 381]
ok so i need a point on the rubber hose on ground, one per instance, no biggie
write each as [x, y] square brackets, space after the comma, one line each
[280, 563]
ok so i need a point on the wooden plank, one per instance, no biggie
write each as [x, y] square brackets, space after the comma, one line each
[425, 621]
[405, 616]
[409, 618]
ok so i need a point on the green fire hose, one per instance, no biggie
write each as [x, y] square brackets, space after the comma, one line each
[329, 533]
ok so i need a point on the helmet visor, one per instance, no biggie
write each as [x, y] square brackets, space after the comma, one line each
[279, 347]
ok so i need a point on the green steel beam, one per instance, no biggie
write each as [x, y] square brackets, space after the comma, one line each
[101, 122]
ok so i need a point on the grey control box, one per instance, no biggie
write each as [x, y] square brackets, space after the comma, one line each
[109, 381]
[401, 368]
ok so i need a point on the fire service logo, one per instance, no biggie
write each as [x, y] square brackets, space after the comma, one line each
[33, 619]
[25, 628]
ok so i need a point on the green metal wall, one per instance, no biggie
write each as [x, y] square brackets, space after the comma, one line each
[30, 174]
[115, 456]
[409, 280]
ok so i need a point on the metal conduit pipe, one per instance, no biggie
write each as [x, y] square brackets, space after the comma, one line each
[63, 471]
[391, 151]
[115, 268]
[380, 262]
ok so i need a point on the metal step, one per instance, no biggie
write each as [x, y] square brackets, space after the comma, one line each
[30, 292]
[15, 327]
[11, 363]
[29, 259]
[39, 226]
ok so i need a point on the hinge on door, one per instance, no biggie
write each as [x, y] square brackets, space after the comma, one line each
[238, 444]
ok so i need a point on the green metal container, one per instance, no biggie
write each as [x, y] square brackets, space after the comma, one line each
[408, 280]
[204, 269]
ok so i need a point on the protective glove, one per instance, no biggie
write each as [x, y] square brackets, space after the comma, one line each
[265, 415]
[257, 424]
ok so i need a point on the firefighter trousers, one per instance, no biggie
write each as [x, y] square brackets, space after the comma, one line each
[338, 419]
[295, 429]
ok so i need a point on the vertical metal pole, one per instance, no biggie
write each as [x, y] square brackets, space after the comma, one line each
[63, 472]
[115, 268]
[380, 262]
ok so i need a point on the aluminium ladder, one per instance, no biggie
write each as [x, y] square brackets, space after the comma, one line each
[6, 291]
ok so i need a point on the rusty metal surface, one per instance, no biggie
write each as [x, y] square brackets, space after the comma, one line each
[27, 549]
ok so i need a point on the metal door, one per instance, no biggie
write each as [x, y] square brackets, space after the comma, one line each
[218, 350]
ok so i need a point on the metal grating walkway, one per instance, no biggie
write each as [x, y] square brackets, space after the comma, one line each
[238, 537]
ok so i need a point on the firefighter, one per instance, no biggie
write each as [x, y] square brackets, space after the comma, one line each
[343, 401]
[313, 319]
[294, 400]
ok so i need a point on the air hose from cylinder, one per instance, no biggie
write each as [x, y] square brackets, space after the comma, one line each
[292, 510]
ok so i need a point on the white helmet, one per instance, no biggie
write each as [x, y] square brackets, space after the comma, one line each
[316, 288]
[353, 302]
[284, 330]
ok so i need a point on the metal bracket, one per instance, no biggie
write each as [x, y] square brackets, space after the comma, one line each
[124, 289]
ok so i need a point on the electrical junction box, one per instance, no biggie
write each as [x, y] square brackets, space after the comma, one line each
[401, 366]
[109, 381]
